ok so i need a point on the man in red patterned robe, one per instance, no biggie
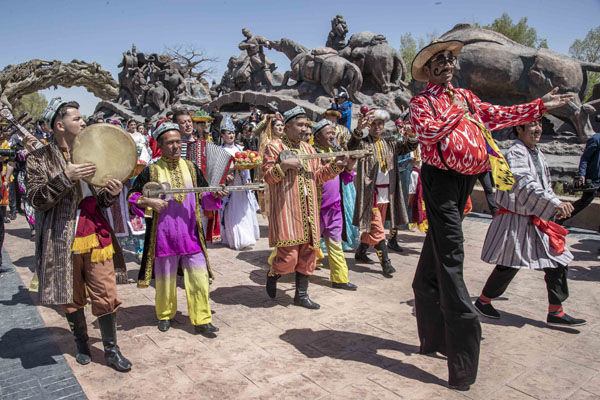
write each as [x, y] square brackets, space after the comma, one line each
[451, 125]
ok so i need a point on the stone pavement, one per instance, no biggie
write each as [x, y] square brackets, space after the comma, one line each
[31, 364]
[359, 345]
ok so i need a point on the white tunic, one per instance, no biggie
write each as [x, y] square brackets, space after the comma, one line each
[513, 240]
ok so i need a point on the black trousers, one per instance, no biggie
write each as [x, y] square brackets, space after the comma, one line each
[585, 200]
[556, 283]
[446, 319]
[14, 195]
[487, 182]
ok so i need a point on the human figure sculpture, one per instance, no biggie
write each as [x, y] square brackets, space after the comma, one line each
[337, 36]
[260, 65]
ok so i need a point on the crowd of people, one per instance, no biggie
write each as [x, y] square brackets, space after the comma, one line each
[419, 176]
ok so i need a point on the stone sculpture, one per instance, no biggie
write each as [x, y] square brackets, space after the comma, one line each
[337, 36]
[31, 76]
[321, 65]
[260, 66]
[377, 60]
[149, 84]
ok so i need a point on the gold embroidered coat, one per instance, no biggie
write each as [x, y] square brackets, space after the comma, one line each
[294, 206]
[366, 176]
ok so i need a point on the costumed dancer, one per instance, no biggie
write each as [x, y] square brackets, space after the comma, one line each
[192, 149]
[453, 126]
[405, 168]
[415, 197]
[75, 247]
[294, 205]
[6, 167]
[239, 228]
[270, 128]
[175, 238]
[342, 136]
[521, 235]
[332, 215]
[378, 187]
[202, 121]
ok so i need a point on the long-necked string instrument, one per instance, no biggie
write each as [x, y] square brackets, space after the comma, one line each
[163, 190]
[30, 142]
[287, 154]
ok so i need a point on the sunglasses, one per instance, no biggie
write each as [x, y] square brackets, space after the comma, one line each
[442, 59]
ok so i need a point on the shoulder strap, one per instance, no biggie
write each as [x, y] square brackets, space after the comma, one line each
[438, 145]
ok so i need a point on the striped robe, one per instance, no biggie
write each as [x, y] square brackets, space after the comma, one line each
[512, 240]
[55, 198]
[293, 201]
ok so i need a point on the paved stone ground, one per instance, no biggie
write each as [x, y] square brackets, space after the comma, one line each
[358, 345]
[31, 364]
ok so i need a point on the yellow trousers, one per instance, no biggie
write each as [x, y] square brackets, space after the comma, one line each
[338, 268]
[195, 276]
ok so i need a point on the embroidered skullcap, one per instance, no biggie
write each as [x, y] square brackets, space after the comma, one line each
[293, 113]
[49, 113]
[320, 125]
[163, 128]
[227, 123]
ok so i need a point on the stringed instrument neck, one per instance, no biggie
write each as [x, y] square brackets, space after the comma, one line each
[154, 190]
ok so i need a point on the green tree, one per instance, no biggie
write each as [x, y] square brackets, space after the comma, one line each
[588, 50]
[33, 104]
[519, 32]
[409, 47]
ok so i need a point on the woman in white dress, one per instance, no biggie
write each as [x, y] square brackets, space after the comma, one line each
[239, 224]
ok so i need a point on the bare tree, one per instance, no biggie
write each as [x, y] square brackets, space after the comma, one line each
[193, 60]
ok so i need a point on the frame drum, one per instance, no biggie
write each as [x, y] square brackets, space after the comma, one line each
[108, 147]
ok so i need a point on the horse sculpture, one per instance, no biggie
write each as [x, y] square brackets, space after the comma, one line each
[321, 65]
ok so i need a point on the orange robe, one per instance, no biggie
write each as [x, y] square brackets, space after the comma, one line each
[294, 205]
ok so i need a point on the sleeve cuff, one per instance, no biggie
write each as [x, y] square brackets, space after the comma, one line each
[336, 170]
[210, 203]
[133, 205]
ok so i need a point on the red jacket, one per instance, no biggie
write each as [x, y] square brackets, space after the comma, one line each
[460, 140]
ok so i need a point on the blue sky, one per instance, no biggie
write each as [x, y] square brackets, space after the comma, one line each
[101, 30]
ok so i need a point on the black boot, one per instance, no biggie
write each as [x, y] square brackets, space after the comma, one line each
[361, 254]
[272, 284]
[301, 298]
[393, 242]
[79, 328]
[112, 354]
[386, 264]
